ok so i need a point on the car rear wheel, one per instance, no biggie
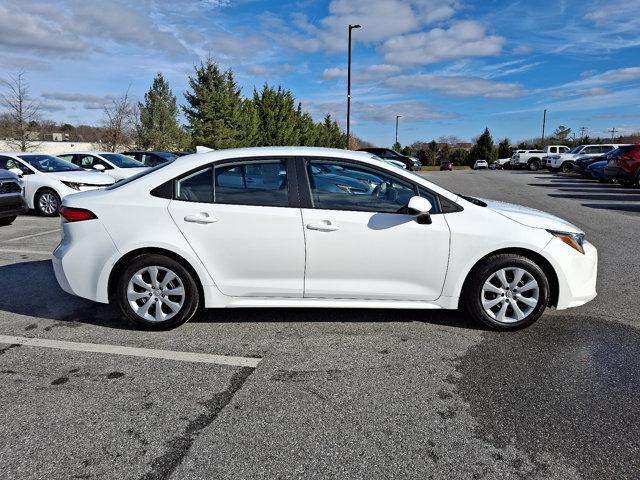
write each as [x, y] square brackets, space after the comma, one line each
[534, 165]
[157, 293]
[506, 292]
[7, 221]
[47, 202]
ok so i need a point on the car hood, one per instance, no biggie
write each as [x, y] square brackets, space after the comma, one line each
[531, 217]
[93, 178]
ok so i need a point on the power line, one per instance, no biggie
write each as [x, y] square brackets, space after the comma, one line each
[582, 130]
[612, 131]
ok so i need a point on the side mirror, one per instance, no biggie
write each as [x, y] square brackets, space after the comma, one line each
[17, 171]
[98, 167]
[420, 207]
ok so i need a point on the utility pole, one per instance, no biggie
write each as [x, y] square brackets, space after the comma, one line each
[397, 117]
[612, 131]
[582, 130]
[351, 27]
[544, 123]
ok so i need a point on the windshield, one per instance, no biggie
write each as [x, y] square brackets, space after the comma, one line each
[120, 183]
[122, 161]
[166, 155]
[576, 149]
[49, 164]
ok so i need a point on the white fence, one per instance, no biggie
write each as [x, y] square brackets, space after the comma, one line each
[53, 147]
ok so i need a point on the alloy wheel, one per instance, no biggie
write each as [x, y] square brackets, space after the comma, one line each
[510, 295]
[155, 293]
[48, 203]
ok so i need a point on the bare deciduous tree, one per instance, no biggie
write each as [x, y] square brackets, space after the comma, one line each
[21, 110]
[119, 122]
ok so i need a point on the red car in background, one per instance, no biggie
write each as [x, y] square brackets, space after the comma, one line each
[446, 165]
[624, 165]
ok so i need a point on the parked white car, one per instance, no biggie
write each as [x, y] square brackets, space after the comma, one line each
[48, 179]
[282, 227]
[480, 164]
[116, 165]
[534, 159]
[565, 161]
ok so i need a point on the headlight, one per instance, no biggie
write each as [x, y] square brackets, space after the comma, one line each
[574, 240]
[75, 186]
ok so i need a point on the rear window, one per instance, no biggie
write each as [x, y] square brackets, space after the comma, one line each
[135, 177]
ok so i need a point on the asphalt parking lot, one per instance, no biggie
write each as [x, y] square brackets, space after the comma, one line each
[335, 394]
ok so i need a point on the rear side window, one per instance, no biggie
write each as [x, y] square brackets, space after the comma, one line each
[196, 186]
[260, 183]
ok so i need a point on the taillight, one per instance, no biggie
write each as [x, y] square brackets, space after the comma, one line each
[71, 214]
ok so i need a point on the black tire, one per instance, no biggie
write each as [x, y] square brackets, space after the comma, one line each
[473, 290]
[7, 221]
[567, 167]
[534, 165]
[47, 202]
[190, 303]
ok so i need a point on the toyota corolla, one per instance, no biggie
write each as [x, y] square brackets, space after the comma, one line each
[311, 227]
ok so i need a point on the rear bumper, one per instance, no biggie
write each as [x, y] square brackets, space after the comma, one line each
[577, 273]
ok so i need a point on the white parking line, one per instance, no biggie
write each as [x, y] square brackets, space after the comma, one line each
[32, 235]
[26, 252]
[133, 351]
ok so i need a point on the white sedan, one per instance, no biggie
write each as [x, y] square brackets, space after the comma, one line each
[116, 165]
[281, 227]
[48, 179]
[480, 164]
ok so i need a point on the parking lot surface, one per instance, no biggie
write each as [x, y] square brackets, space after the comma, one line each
[335, 393]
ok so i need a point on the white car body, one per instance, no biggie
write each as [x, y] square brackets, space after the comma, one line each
[266, 256]
[556, 162]
[396, 163]
[105, 159]
[480, 164]
[35, 180]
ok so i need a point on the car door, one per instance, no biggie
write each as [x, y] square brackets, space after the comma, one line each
[242, 219]
[359, 246]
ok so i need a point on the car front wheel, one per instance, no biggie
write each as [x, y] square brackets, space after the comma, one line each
[157, 293]
[47, 202]
[534, 165]
[506, 292]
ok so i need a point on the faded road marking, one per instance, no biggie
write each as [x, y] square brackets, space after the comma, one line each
[133, 351]
[31, 236]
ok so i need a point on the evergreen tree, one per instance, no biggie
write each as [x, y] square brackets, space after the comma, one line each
[277, 117]
[307, 131]
[218, 116]
[329, 134]
[505, 150]
[158, 127]
[483, 148]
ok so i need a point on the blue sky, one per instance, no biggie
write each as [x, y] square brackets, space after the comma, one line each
[449, 67]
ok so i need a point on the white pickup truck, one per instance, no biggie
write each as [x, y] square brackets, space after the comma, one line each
[564, 161]
[532, 159]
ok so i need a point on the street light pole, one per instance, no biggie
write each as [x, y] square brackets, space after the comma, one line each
[351, 27]
[544, 123]
[397, 117]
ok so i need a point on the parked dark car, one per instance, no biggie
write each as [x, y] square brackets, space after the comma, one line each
[388, 154]
[624, 165]
[151, 158]
[581, 164]
[182, 154]
[12, 201]
[596, 170]
[446, 165]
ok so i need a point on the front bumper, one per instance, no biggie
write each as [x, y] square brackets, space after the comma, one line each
[12, 205]
[577, 273]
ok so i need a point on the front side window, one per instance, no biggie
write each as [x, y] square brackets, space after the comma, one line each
[337, 185]
[260, 183]
[122, 161]
[90, 161]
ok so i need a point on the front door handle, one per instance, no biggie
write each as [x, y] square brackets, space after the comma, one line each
[323, 226]
[202, 218]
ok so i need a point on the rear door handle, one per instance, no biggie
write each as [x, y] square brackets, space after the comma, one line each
[202, 218]
[323, 226]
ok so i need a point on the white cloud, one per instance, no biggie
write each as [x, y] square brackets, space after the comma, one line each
[331, 73]
[456, 86]
[463, 39]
